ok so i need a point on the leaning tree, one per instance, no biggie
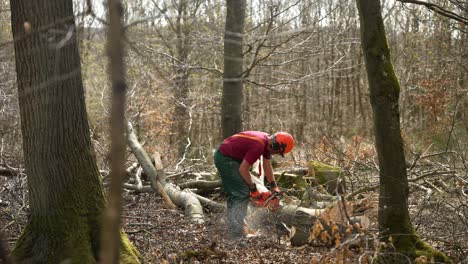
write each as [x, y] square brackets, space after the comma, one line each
[394, 220]
[66, 197]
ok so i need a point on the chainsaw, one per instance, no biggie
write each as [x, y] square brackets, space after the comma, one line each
[268, 200]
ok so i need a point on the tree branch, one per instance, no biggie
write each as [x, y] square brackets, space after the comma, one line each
[439, 10]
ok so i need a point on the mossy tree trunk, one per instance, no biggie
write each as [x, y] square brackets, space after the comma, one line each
[394, 220]
[66, 198]
[231, 105]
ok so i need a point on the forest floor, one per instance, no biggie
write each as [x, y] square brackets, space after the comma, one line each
[168, 236]
[164, 235]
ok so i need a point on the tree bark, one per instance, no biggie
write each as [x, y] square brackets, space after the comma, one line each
[66, 198]
[231, 105]
[394, 220]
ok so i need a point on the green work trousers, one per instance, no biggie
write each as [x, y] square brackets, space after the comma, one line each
[237, 192]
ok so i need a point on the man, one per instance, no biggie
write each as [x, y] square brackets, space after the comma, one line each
[234, 158]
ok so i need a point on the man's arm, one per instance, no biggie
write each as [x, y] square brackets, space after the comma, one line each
[268, 169]
[245, 173]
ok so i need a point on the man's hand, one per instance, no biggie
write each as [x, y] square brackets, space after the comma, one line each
[273, 187]
[254, 193]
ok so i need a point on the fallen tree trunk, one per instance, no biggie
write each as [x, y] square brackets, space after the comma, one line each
[183, 199]
[318, 227]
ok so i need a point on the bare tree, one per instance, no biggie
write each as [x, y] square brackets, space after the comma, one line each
[111, 229]
[458, 14]
[231, 106]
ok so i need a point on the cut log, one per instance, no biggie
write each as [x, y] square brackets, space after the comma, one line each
[324, 232]
[184, 199]
[319, 227]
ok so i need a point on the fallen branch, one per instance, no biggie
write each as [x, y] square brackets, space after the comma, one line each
[138, 177]
[212, 205]
[216, 207]
[183, 199]
[362, 190]
[141, 189]
[432, 173]
[203, 186]
[182, 173]
[422, 188]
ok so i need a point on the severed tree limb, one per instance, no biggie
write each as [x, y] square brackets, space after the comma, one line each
[138, 177]
[362, 190]
[304, 223]
[142, 189]
[182, 174]
[183, 199]
[303, 219]
[428, 191]
[189, 173]
[216, 207]
[161, 178]
[201, 185]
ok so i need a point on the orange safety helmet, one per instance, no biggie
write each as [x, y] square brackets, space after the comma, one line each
[283, 142]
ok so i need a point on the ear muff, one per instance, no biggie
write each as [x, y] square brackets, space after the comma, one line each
[274, 145]
[277, 146]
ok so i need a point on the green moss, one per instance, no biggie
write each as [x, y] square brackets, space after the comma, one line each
[292, 182]
[324, 172]
[413, 246]
[54, 244]
[392, 78]
[128, 253]
[406, 241]
[331, 177]
[68, 245]
[189, 254]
